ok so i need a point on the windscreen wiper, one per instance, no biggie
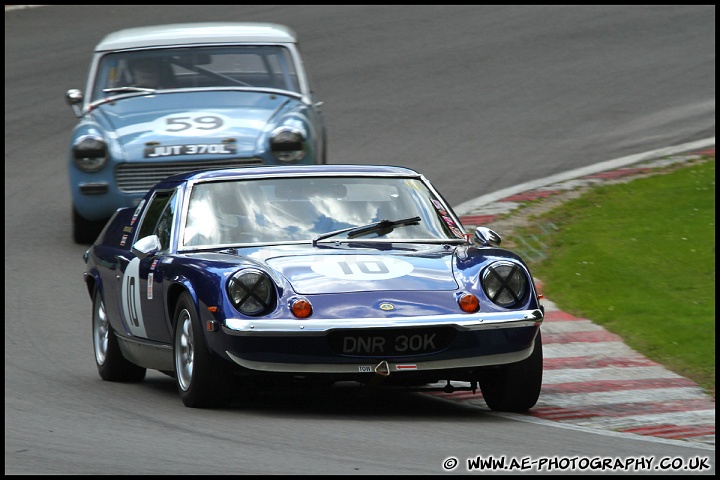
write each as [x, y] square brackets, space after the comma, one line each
[383, 227]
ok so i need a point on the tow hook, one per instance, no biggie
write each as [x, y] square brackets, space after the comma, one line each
[383, 368]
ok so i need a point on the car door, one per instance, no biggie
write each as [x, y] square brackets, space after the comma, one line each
[142, 304]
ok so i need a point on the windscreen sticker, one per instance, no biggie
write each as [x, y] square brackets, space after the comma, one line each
[439, 207]
[449, 221]
[361, 267]
[457, 232]
[451, 225]
[446, 218]
[137, 211]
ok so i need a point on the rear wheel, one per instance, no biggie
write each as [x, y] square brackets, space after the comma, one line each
[111, 364]
[514, 387]
[200, 381]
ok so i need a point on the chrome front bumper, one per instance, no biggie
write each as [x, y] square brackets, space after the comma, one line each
[383, 367]
[319, 327]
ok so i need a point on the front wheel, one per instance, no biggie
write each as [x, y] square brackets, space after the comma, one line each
[200, 381]
[514, 387]
[111, 364]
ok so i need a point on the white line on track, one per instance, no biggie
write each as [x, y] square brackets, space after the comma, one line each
[466, 207]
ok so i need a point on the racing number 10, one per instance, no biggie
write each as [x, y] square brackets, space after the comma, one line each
[367, 267]
[131, 302]
[362, 267]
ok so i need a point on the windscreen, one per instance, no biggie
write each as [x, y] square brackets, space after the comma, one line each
[196, 67]
[301, 209]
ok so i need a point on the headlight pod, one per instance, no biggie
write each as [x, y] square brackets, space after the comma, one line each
[288, 144]
[90, 153]
[505, 284]
[252, 292]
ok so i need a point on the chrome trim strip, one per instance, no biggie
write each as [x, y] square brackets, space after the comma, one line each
[369, 365]
[422, 241]
[319, 327]
[162, 91]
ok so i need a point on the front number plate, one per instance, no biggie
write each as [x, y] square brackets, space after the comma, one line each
[196, 149]
[395, 342]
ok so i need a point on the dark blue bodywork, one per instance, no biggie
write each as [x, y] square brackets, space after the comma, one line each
[410, 322]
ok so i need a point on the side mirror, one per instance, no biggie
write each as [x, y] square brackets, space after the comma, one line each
[147, 246]
[74, 98]
[487, 237]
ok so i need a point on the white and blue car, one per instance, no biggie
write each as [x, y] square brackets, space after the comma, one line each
[167, 99]
[311, 274]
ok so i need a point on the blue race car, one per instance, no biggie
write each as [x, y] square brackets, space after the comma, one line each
[228, 279]
[168, 99]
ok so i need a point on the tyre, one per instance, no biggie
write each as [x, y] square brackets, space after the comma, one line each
[86, 231]
[111, 364]
[514, 387]
[201, 383]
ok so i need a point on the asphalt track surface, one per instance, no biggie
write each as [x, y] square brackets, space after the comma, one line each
[481, 99]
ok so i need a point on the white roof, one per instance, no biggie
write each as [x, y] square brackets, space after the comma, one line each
[196, 33]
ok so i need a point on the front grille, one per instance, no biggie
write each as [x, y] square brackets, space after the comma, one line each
[140, 177]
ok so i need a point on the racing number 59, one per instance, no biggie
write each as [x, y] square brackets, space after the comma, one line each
[206, 122]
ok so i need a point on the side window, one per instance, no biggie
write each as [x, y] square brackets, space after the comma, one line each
[158, 218]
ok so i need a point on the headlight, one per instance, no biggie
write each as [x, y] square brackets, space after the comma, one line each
[505, 283]
[288, 144]
[90, 153]
[252, 292]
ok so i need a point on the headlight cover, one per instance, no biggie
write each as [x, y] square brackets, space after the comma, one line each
[288, 144]
[505, 284]
[90, 153]
[252, 292]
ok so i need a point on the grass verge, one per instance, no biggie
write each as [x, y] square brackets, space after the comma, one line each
[639, 259]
